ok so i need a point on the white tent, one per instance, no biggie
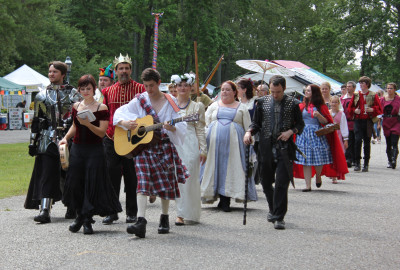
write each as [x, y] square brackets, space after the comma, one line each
[28, 77]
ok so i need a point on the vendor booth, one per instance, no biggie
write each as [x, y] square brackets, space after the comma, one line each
[10, 95]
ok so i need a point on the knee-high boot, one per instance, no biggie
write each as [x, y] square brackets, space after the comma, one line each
[45, 207]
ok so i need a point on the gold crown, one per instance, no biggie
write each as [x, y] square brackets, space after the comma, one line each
[122, 59]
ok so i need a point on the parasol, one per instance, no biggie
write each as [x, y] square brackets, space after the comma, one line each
[264, 66]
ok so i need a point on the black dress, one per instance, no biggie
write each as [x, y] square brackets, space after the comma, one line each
[88, 188]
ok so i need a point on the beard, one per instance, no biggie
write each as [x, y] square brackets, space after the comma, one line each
[124, 78]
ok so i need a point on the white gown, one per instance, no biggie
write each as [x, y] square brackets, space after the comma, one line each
[189, 204]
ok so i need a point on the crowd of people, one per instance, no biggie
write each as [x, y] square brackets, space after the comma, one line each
[195, 149]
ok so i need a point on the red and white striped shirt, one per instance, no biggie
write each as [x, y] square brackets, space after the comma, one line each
[117, 95]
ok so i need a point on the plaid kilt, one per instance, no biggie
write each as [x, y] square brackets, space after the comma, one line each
[159, 168]
[315, 148]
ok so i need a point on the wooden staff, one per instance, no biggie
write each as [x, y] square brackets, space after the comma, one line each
[212, 73]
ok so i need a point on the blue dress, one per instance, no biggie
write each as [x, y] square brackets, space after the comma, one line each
[315, 148]
[224, 172]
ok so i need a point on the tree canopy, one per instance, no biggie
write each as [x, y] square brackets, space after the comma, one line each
[323, 34]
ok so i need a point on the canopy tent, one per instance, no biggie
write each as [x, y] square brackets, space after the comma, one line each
[10, 93]
[307, 75]
[29, 77]
[373, 87]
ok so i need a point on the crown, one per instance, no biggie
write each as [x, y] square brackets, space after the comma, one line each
[107, 72]
[122, 59]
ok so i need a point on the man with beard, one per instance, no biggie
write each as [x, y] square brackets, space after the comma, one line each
[50, 123]
[106, 79]
[115, 96]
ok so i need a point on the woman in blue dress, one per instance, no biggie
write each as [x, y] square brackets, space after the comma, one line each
[224, 174]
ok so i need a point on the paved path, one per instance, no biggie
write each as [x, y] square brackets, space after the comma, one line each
[14, 136]
[351, 225]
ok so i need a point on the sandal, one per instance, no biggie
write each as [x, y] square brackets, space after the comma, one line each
[179, 221]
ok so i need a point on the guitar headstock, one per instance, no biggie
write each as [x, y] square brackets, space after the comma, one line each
[191, 117]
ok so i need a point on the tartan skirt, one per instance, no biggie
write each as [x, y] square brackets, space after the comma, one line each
[159, 169]
[315, 148]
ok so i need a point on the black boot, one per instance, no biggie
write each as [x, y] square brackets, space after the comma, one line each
[163, 227]
[349, 164]
[139, 228]
[77, 224]
[70, 214]
[365, 167]
[225, 203]
[357, 166]
[395, 153]
[87, 225]
[44, 215]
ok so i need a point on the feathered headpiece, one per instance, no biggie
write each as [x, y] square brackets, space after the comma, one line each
[107, 72]
[188, 78]
[122, 59]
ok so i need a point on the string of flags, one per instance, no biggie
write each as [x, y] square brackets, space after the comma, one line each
[7, 92]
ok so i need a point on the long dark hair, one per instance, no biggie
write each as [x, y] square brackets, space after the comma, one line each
[316, 97]
[248, 85]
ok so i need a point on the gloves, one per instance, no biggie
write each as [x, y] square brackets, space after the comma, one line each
[33, 151]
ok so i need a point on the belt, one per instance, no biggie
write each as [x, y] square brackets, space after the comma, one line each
[389, 115]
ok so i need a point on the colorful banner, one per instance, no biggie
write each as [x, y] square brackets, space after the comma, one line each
[155, 47]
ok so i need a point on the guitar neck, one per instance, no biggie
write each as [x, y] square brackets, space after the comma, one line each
[159, 125]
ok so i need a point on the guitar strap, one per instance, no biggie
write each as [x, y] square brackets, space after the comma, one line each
[172, 103]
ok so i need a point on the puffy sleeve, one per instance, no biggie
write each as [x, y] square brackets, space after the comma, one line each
[246, 117]
[200, 128]
[210, 111]
[344, 129]
[178, 136]
[130, 111]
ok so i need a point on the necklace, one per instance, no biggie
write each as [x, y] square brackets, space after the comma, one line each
[87, 106]
[184, 106]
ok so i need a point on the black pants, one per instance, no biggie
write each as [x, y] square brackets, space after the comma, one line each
[362, 135]
[118, 166]
[350, 151]
[392, 142]
[277, 197]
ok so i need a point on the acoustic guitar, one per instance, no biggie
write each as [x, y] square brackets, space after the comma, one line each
[132, 142]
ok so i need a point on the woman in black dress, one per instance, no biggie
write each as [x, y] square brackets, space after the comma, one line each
[88, 189]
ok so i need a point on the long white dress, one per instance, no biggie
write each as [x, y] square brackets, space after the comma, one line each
[224, 173]
[188, 206]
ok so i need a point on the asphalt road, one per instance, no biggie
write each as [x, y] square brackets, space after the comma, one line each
[351, 225]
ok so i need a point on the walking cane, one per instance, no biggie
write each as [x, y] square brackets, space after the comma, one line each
[246, 183]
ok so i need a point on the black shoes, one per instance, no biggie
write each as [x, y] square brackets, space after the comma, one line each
[224, 203]
[270, 217]
[357, 167]
[389, 166]
[109, 219]
[129, 219]
[43, 217]
[306, 190]
[279, 225]
[365, 168]
[163, 227]
[139, 228]
[76, 225]
[70, 214]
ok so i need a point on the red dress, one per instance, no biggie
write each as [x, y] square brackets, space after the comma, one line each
[339, 166]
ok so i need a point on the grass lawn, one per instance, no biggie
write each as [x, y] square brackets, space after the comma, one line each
[16, 167]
